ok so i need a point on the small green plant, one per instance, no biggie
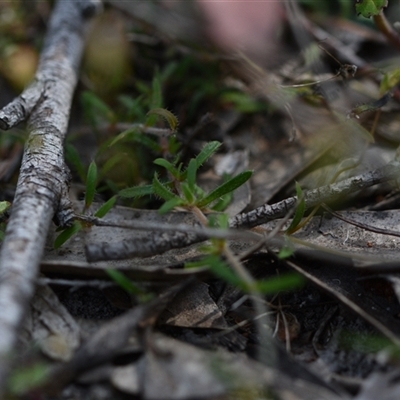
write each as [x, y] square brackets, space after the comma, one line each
[91, 183]
[181, 190]
[223, 264]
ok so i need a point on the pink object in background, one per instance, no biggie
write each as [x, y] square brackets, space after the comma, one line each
[249, 26]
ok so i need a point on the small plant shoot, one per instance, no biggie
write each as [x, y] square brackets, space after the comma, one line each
[91, 183]
[67, 234]
[370, 8]
[182, 190]
[106, 207]
[300, 210]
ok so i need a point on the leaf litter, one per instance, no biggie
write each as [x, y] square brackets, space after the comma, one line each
[187, 334]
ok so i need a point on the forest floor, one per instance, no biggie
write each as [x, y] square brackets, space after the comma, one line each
[285, 285]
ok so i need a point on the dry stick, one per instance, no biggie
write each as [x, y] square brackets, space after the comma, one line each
[163, 237]
[43, 179]
[183, 235]
[312, 198]
[110, 339]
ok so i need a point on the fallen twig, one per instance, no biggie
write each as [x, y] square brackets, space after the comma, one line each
[166, 236]
[312, 198]
[163, 237]
[43, 180]
[111, 338]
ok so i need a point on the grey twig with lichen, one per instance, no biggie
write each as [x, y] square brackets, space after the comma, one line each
[315, 197]
[43, 179]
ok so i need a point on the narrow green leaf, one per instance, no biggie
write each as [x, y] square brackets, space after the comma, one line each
[111, 185]
[161, 190]
[171, 119]
[223, 202]
[120, 278]
[196, 264]
[73, 158]
[121, 136]
[156, 99]
[67, 234]
[191, 174]
[91, 183]
[277, 284]
[222, 270]
[143, 88]
[243, 102]
[147, 141]
[208, 150]
[162, 162]
[220, 221]
[174, 144]
[135, 134]
[300, 210]
[285, 252]
[136, 191]
[187, 192]
[369, 8]
[94, 106]
[134, 107]
[168, 70]
[106, 207]
[4, 206]
[111, 163]
[225, 188]
[170, 205]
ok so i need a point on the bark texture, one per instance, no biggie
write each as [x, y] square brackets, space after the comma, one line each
[43, 180]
